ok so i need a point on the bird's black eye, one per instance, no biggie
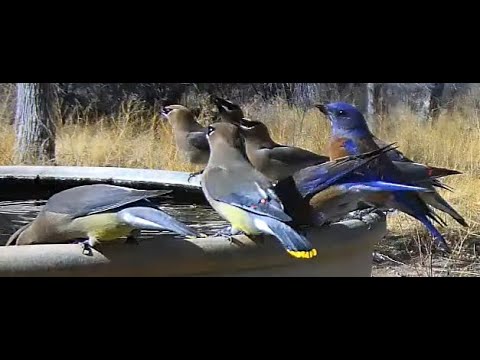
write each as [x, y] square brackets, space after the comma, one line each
[341, 113]
[210, 130]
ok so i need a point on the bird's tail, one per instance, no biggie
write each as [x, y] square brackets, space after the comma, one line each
[437, 237]
[414, 206]
[294, 243]
[381, 186]
[438, 172]
[146, 218]
[12, 240]
[434, 199]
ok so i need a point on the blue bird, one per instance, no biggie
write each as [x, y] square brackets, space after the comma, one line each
[352, 136]
[340, 186]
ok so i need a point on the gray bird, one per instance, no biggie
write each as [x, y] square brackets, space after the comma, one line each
[274, 160]
[190, 136]
[244, 196]
[98, 213]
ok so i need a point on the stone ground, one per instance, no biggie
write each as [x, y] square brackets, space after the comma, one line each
[392, 259]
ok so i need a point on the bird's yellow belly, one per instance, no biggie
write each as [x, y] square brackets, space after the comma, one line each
[104, 227]
[238, 218]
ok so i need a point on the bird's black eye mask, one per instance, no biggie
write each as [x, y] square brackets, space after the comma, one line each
[210, 130]
[166, 111]
[248, 124]
[225, 106]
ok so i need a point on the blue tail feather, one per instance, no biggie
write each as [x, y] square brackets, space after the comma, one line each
[439, 239]
[416, 208]
[377, 186]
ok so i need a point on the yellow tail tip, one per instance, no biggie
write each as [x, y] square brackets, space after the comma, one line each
[303, 254]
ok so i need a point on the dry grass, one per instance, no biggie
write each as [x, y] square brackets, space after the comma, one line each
[138, 138]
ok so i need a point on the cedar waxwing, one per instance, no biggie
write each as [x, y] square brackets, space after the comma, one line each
[245, 197]
[98, 213]
[417, 174]
[190, 136]
[275, 161]
[229, 112]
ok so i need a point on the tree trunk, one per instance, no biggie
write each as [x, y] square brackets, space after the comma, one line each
[380, 103]
[423, 103]
[435, 102]
[35, 122]
[370, 104]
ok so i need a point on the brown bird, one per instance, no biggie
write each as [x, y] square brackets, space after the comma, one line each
[229, 112]
[274, 160]
[190, 136]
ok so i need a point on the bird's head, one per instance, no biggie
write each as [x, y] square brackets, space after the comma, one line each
[344, 117]
[223, 133]
[254, 130]
[229, 112]
[177, 114]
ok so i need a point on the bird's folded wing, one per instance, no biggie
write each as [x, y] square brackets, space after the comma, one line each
[237, 189]
[199, 140]
[87, 200]
[394, 155]
[292, 155]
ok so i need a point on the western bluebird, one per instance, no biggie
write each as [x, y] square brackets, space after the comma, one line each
[352, 136]
[338, 187]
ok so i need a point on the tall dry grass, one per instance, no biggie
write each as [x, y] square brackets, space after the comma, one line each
[142, 139]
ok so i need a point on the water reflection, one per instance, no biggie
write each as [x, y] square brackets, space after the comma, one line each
[14, 214]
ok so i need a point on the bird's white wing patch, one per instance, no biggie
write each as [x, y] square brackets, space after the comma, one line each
[263, 226]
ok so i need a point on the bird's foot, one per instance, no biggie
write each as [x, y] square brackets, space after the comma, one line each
[361, 214]
[258, 239]
[192, 175]
[132, 240]
[86, 247]
[228, 233]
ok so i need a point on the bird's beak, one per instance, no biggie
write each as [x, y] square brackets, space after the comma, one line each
[323, 108]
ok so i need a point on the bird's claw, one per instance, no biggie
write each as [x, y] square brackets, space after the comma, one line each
[258, 239]
[86, 248]
[225, 232]
[132, 241]
[192, 175]
[360, 214]
[228, 233]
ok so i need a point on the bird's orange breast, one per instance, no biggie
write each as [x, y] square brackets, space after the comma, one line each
[379, 198]
[336, 148]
